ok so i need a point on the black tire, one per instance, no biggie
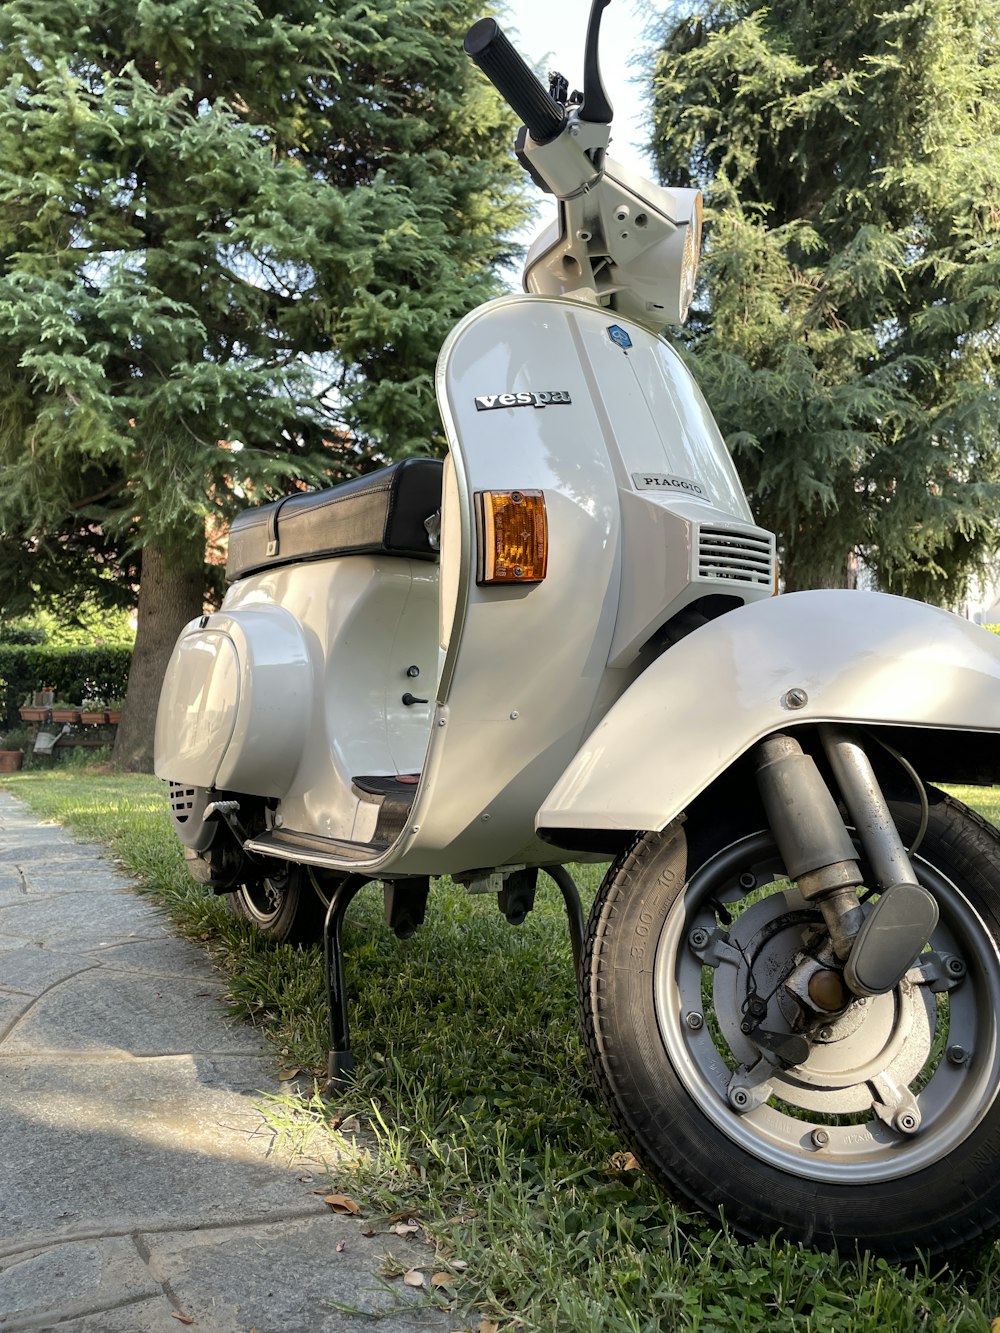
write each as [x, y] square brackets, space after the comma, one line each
[667, 1064]
[286, 907]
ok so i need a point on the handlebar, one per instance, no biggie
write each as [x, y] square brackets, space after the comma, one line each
[486, 44]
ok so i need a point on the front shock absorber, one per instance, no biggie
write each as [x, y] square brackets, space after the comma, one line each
[814, 844]
[876, 946]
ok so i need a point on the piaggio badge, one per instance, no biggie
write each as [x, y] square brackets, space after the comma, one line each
[487, 402]
[661, 481]
[618, 335]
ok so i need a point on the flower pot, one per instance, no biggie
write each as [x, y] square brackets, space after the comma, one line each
[34, 714]
[65, 714]
[93, 718]
[11, 760]
[115, 716]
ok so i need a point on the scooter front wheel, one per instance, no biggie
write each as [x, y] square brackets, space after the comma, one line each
[285, 907]
[877, 1127]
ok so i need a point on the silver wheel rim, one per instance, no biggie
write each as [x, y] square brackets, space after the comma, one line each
[819, 1120]
[263, 902]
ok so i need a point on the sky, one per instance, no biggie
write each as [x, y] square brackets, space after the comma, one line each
[552, 33]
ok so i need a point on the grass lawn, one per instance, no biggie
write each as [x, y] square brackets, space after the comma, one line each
[473, 1075]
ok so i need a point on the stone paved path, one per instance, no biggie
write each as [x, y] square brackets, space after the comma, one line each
[138, 1179]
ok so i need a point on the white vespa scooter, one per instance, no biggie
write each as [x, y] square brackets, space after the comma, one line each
[562, 644]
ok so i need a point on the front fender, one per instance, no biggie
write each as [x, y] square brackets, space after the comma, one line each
[855, 656]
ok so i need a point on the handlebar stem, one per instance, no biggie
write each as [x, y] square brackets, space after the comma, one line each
[571, 164]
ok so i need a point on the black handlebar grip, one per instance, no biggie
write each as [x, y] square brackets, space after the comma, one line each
[513, 80]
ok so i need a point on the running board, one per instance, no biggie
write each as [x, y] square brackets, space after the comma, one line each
[311, 850]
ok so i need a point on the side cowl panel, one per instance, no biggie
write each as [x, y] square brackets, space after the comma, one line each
[236, 702]
[855, 656]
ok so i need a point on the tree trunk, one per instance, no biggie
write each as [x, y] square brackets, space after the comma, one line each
[171, 592]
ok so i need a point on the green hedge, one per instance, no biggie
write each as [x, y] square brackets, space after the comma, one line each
[99, 672]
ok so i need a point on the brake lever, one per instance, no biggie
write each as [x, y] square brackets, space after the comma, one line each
[596, 106]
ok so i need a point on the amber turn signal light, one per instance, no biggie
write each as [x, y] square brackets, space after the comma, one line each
[513, 537]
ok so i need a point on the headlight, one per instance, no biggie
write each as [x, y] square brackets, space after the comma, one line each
[692, 253]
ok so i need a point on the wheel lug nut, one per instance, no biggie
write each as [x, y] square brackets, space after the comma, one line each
[820, 1138]
[957, 1055]
[906, 1122]
[694, 1021]
[956, 967]
[748, 881]
[825, 1034]
[739, 1099]
[698, 938]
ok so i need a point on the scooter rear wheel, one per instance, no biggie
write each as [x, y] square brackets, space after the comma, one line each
[885, 1134]
[286, 907]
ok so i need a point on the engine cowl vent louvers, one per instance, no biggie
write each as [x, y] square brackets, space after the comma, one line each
[181, 801]
[744, 556]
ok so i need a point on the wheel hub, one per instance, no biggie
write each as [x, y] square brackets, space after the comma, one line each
[887, 1035]
[265, 898]
[860, 1094]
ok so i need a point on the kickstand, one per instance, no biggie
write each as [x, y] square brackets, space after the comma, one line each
[571, 897]
[341, 1061]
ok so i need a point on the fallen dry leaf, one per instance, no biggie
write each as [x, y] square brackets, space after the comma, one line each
[414, 1278]
[487, 1326]
[342, 1203]
[404, 1229]
[625, 1161]
[350, 1126]
[460, 1264]
[181, 1318]
[286, 1074]
[369, 1232]
[441, 1279]
[341, 1246]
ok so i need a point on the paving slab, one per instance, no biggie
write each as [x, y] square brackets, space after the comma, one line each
[98, 1272]
[140, 1178]
[144, 1316]
[167, 957]
[234, 1278]
[75, 920]
[12, 1005]
[101, 1009]
[31, 969]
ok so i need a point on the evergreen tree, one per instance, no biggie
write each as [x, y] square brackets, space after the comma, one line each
[848, 336]
[232, 238]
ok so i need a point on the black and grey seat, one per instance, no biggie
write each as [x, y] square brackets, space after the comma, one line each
[382, 513]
